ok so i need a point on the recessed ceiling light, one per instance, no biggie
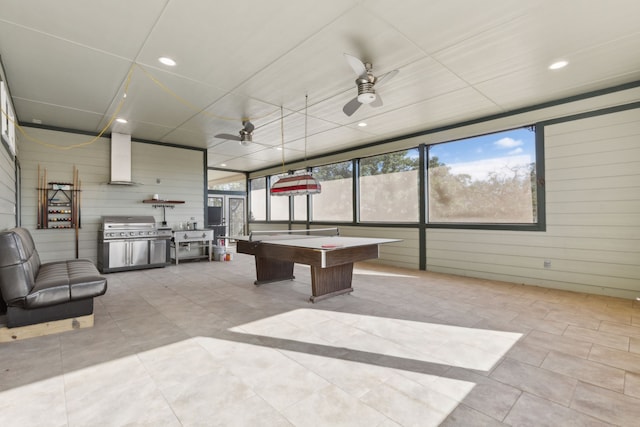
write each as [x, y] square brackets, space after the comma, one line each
[223, 164]
[558, 64]
[167, 61]
[362, 124]
[121, 120]
[37, 121]
[278, 148]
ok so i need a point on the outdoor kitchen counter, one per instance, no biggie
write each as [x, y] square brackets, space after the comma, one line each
[191, 244]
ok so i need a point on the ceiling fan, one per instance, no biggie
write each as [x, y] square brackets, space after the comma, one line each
[245, 136]
[365, 84]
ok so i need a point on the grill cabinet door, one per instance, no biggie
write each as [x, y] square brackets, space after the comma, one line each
[118, 251]
[158, 254]
[139, 252]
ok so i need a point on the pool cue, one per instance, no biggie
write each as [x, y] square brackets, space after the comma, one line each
[39, 200]
[74, 206]
[45, 197]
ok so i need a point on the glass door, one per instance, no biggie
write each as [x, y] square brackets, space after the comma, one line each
[237, 215]
[227, 215]
[215, 208]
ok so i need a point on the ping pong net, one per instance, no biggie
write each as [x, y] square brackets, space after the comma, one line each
[292, 234]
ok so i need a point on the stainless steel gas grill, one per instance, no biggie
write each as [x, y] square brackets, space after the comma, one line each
[131, 242]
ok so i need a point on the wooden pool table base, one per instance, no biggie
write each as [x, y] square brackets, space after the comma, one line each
[325, 282]
[331, 261]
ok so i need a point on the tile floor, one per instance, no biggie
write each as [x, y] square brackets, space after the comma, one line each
[199, 344]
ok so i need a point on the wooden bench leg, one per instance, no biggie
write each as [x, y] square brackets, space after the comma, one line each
[46, 328]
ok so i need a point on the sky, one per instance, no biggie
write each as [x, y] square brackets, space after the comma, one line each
[497, 151]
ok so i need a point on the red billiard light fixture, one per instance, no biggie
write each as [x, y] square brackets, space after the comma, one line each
[295, 185]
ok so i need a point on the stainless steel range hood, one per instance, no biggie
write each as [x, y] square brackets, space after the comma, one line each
[121, 160]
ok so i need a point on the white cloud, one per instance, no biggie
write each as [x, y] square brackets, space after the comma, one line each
[508, 143]
[516, 151]
[478, 170]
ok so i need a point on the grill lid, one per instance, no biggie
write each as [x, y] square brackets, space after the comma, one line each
[128, 222]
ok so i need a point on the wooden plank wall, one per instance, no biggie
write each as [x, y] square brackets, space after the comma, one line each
[179, 171]
[7, 190]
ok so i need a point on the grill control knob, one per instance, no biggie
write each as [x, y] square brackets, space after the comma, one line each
[123, 234]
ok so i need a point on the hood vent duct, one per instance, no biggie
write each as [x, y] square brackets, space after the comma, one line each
[121, 160]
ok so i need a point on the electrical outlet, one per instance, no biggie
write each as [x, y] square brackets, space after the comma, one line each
[547, 263]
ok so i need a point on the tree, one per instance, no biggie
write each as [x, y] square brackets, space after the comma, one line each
[399, 161]
[333, 171]
[505, 196]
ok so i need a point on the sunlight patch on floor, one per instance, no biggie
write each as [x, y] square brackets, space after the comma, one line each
[448, 345]
[241, 383]
[367, 272]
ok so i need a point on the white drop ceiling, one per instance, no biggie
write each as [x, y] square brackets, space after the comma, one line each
[68, 64]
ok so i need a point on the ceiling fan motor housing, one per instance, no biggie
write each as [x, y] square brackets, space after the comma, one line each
[245, 137]
[366, 93]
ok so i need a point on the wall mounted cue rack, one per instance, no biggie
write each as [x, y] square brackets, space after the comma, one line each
[58, 202]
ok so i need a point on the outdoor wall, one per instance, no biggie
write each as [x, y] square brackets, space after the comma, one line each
[172, 173]
[592, 241]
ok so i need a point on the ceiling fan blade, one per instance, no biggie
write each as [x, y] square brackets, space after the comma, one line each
[248, 126]
[351, 106]
[356, 64]
[377, 102]
[228, 136]
[386, 77]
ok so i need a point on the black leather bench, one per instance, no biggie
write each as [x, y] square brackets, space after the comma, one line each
[32, 292]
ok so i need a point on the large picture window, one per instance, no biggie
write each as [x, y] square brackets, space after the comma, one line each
[335, 202]
[299, 205]
[489, 179]
[279, 204]
[258, 199]
[389, 187]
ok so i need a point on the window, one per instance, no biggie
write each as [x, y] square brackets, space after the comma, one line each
[300, 205]
[258, 199]
[279, 204]
[389, 187]
[300, 208]
[225, 181]
[335, 202]
[489, 179]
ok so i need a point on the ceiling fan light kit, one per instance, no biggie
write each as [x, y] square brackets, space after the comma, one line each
[366, 97]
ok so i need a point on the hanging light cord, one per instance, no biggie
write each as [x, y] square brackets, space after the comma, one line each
[282, 135]
[306, 116]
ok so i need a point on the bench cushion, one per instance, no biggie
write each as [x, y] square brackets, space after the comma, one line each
[64, 281]
[19, 265]
[85, 280]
